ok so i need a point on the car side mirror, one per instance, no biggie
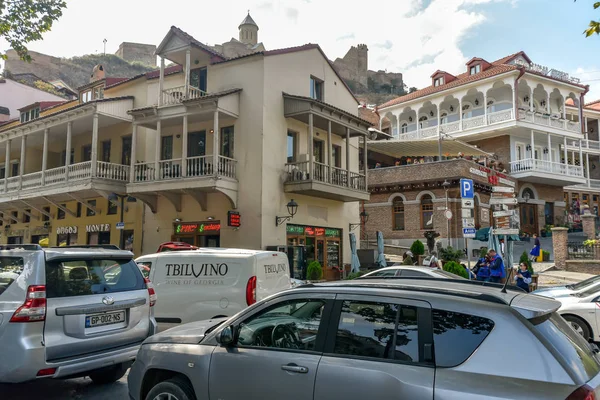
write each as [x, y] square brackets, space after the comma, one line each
[226, 337]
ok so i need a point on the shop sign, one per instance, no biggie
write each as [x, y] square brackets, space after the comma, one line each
[319, 231]
[65, 230]
[506, 182]
[234, 219]
[309, 231]
[330, 232]
[193, 228]
[295, 229]
[478, 172]
[97, 228]
[313, 231]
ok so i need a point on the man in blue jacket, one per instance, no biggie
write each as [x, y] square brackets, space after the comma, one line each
[497, 272]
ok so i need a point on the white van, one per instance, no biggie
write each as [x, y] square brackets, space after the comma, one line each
[206, 283]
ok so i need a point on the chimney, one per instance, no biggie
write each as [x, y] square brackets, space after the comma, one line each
[97, 73]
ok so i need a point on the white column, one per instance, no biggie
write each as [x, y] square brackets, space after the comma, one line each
[564, 110]
[365, 159]
[587, 168]
[397, 124]
[216, 142]
[132, 161]
[157, 143]
[565, 150]
[6, 165]
[460, 113]
[95, 145]
[22, 161]
[348, 155]
[439, 131]
[417, 119]
[45, 156]
[311, 155]
[330, 151]
[515, 101]
[548, 103]
[161, 81]
[531, 99]
[580, 155]
[68, 145]
[485, 108]
[187, 73]
[549, 148]
[586, 128]
[184, 147]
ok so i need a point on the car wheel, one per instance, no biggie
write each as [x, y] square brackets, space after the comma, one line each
[109, 375]
[172, 389]
[579, 326]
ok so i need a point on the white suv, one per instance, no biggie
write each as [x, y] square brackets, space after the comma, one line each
[71, 311]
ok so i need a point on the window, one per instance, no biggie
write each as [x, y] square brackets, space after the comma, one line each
[336, 155]
[126, 150]
[404, 128]
[438, 81]
[89, 212]
[60, 213]
[106, 151]
[166, 148]
[456, 336]
[227, 142]
[398, 214]
[86, 96]
[78, 212]
[145, 267]
[292, 146]
[369, 329]
[111, 208]
[527, 192]
[15, 215]
[426, 212]
[28, 115]
[2, 172]
[14, 169]
[63, 157]
[86, 153]
[86, 277]
[290, 325]
[318, 150]
[98, 93]
[316, 88]
[10, 269]
[196, 144]
[198, 78]
[549, 213]
[44, 216]
[26, 216]
[475, 69]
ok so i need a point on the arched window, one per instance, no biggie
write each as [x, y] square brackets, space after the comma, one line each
[398, 214]
[426, 212]
[404, 128]
[422, 122]
[467, 111]
[444, 118]
[528, 194]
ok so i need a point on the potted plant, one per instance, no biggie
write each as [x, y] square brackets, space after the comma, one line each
[455, 268]
[545, 255]
[449, 254]
[314, 272]
[418, 250]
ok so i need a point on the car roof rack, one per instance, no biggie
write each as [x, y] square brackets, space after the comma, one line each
[20, 247]
[461, 281]
[89, 246]
[488, 297]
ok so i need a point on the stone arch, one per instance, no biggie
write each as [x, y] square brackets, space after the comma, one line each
[530, 188]
[423, 193]
[394, 195]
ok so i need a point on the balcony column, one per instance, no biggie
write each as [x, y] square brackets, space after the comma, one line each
[580, 155]
[586, 128]
[397, 125]
[348, 157]
[549, 148]
[6, 165]
[532, 147]
[531, 99]
[460, 115]
[187, 73]
[439, 132]
[515, 101]
[548, 103]
[95, 145]
[68, 151]
[309, 146]
[565, 150]
[132, 161]
[329, 151]
[365, 159]
[216, 142]
[418, 129]
[485, 108]
[157, 143]
[45, 156]
[587, 168]
[161, 81]
[184, 147]
[22, 161]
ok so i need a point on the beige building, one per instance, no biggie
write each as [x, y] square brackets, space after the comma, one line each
[192, 147]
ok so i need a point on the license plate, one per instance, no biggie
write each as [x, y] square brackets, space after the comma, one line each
[108, 318]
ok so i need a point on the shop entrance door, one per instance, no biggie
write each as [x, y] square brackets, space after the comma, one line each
[209, 241]
[321, 252]
[529, 218]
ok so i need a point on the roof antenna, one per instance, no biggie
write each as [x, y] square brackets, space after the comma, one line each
[507, 279]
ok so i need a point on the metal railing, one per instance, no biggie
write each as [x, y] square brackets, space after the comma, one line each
[299, 172]
[535, 165]
[177, 94]
[548, 120]
[579, 251]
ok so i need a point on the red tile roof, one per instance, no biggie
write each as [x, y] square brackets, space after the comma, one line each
[113, 81]
[43, 105]
[369, 115]
[594, 105]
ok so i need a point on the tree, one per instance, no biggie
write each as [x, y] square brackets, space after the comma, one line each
[594, 26]
[24, 21]
[417, 248]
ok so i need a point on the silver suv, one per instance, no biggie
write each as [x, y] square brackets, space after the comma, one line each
[67, 312]
[375, 339]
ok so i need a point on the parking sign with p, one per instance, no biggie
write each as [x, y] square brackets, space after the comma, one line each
[466, 189]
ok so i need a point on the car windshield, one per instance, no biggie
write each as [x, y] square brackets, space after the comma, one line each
[578, 353]
[589, 291]
[447, 274]
[10, 269]
[582, 284]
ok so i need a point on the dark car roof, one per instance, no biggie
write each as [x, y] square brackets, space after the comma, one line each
[463, 288]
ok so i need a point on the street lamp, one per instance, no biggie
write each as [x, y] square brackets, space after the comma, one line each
[122, 197]
[446, 185]
[292, 208]
[364, 217]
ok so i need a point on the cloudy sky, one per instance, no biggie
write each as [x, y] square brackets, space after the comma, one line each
[414, 37]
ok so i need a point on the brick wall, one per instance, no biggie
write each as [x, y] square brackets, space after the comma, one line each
[499, 145]
[584, 266]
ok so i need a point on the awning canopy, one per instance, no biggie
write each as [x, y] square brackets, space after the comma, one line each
[402, 148]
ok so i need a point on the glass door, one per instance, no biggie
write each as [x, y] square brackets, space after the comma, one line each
[321, 252]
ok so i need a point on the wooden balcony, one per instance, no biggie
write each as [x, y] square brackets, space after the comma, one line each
[325, 182]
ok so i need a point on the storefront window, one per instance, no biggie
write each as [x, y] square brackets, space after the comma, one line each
[321, 244]
[45, 216]
[89, 212]
[201, 234]
[111, 208]
[60, 213]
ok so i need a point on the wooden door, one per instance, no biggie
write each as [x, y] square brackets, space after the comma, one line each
[529, 218]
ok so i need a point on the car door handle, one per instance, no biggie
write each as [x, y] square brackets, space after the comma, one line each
[294, 368]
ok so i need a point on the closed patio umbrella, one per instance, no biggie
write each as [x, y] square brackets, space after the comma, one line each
[380, 255]
[354, 263]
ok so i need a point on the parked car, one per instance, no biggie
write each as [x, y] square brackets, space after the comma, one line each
[213, 282]
[408, 271]
[581, 310]
[376, 339]
[566, 290]
[69, 311]
[175, 246]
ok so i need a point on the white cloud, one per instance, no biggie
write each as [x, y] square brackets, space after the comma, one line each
[590, 76]
[417, 44]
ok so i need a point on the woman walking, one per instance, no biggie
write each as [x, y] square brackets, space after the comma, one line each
[537, 248]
